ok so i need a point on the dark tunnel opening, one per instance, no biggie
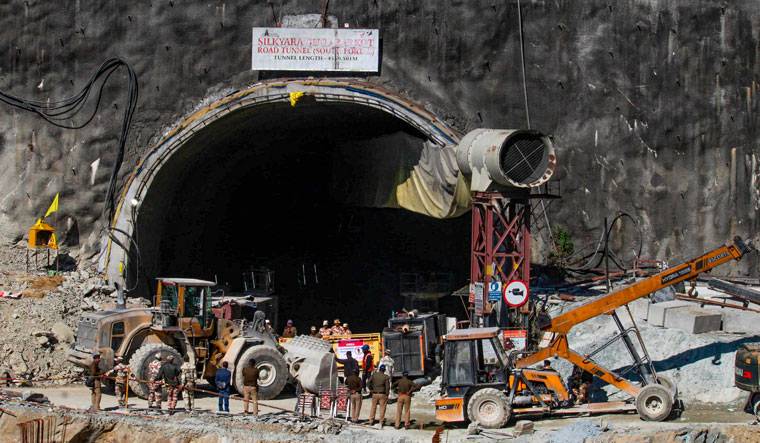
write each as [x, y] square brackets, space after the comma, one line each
[294, 189]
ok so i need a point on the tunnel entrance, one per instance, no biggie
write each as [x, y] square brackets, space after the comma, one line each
[303, 190]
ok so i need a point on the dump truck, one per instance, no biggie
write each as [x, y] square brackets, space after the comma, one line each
[182, 324]
[416, 342]
[481, 383]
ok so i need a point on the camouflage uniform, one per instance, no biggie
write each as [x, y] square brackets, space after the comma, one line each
[154, 389]
[187, 380]
[119, 372]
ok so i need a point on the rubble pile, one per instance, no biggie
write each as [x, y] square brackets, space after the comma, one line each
[38, 326]
[297, 424]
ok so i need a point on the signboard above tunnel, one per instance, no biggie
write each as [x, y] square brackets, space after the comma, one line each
[307, 49]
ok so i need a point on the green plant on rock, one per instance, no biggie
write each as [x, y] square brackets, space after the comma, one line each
[562, 244]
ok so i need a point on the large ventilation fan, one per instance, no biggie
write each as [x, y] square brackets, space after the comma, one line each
[500, 159]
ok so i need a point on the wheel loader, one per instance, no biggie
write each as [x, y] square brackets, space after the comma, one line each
[182, 324]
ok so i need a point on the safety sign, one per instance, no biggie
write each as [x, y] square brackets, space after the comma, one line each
[494, 291]
[516, 293]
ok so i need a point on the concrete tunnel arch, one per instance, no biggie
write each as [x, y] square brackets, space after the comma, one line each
[114, 259]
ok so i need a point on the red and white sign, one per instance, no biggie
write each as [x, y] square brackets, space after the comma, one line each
[516, 339]
[315, 49]
[516, 293]
[355, 346]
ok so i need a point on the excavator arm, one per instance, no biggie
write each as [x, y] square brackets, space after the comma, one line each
[607, 304]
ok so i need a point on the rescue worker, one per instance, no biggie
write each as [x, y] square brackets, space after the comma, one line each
[119, 372]
[379, 386]
[368, 365]
[95, 375]
[325, 330]
[547, 366]
[388, 362]
[404, 388]
[354, 385]
[188, 379]
[290, 330]
[336, 329]
[251, 387]
[222, 381]
[314, 332]
[269, 326]
[154, 389]
[169, 374]
[346, 331]
[350, 365]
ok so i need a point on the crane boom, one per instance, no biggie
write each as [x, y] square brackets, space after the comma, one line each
[607, 304]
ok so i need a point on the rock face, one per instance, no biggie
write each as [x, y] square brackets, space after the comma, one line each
[653, 105]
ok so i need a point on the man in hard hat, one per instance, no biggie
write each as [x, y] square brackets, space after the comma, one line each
[314, 333]
[368, 366]
[119, 373]
[404, 388]
[346, 331]
[379, 386]
[154, 389]
[170, 374]
[95, 382]
[290, 330]
[325, 330]
[337, 329]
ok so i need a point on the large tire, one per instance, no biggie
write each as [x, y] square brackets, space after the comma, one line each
[755, 406]
[654, 403]
[489, 407]
[273, 371]
[140, 360]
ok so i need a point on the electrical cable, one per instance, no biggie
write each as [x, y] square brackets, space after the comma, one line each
[522, 56]
[58, 111]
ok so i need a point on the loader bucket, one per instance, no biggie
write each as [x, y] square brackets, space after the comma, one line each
[311, 362]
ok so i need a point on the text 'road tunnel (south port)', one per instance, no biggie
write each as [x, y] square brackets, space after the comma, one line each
[297, 182]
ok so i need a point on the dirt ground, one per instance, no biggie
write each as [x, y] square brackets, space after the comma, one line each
[567, 429]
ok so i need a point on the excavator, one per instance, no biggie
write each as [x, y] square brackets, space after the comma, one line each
[482, 383]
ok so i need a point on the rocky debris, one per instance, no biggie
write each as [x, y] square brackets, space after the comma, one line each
[577, 432]
[30, 396]
[35, 331]
[697, 434]
[298, 424]
[523, 427]
[431, 391]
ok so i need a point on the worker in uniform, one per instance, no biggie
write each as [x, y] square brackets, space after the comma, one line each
[314, 332]
[388, 362]
[290, 330]
[350, 365]
[154, 389]
[337, 329]
[187, 380]
[119, 373]
[223, 381]
[547, 366]
[325, 330]
[346, 331]
[170, 374]
[97, 383]
[379, 386]
[251, 387]
[368, 365]
[354, 385]
[404, 388]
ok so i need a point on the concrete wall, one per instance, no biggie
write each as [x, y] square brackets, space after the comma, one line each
[653, 104]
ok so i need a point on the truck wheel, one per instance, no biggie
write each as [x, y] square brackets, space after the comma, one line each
[140, 361]
[668, 384]
[489, 407]
[756, 406]
[654, 403]
[273, 372]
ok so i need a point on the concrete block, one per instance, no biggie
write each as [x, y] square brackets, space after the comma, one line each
[737, 321]
[640, 308]
[656, 316]
[524, 427]
[694, 320]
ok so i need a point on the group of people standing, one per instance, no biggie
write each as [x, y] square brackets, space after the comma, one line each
[378, 383]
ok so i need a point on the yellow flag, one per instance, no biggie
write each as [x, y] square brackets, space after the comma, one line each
[294, 97]
[53, 207]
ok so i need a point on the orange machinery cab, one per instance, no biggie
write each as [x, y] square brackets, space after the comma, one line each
[191, 299]
[474, 359]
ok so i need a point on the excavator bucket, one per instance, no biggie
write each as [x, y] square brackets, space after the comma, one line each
[311, 362]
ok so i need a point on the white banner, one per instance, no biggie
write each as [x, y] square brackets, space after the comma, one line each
[318, 49]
